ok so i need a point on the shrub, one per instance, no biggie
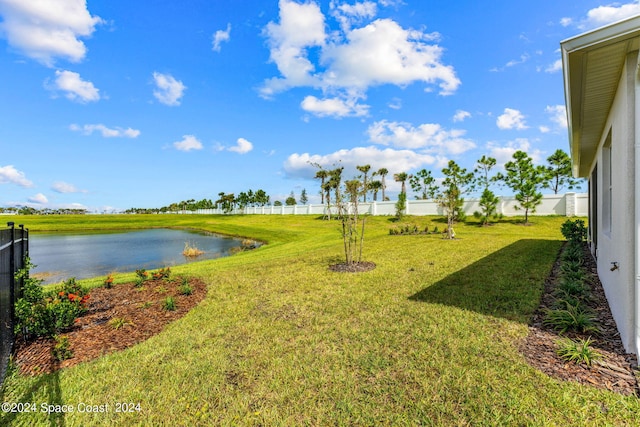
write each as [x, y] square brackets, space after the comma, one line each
[120, 322]
[163, 273]
[577, 351]
[108, 282]
[574, 231]
[142, 274]
[185, 289]
[61, 350]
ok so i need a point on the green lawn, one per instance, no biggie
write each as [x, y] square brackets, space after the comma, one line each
[429, 337]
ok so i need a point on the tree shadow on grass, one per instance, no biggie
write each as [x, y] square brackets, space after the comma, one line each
[51, 383]
[507, 283]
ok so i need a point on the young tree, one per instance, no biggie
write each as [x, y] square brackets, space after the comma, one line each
[423, 184]
[352, 222]
[291, 200]
[524, 179]
[456, 183]
[559, 173]
[303, 197]
[365, 182]
[382, 172]
[488, 200]
[322, 176]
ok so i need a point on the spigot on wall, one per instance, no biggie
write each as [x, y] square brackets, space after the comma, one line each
[614, 266]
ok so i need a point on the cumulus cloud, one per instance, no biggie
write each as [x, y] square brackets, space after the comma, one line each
[555, 67]
[558, 115]
[300, 165]
[461, 115]
[188, 143]
[74, 88]
[39, 199]
[504, 153]
[242, 146]
[219, 37]
[65, 187]
[10, 175]
[46, 30]
[105, 131]
[168, 90]
[346, 63]
[603, 15]
[511, 119]
[429, 137]
[335, 107]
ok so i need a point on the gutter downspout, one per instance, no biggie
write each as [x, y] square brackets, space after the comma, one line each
[636, 191]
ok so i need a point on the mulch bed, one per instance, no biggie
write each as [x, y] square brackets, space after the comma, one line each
[616, 371]
[355, 267]
[93, 335]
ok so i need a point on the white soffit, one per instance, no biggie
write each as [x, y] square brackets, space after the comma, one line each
[593, 63]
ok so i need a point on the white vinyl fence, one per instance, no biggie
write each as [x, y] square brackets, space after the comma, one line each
[569, 204]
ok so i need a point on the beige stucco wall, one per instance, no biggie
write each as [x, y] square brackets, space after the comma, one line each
[618, 245]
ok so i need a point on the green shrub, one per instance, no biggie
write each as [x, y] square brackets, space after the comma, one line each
[185, 289]
[577, 351]
[61, 350]
[574, 288]
[64, 314]
[169, 304]
[574, 231]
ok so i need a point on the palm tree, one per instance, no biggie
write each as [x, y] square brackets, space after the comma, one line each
[365, 170]
[382, 172]
[375, 186]
[322, 176]
[402, 177]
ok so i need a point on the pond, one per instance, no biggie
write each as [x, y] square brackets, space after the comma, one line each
[59, 256]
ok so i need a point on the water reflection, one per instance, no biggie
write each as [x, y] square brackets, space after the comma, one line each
[59, 256]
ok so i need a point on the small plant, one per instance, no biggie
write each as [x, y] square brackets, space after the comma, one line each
[191, 251]
[142, 274]
[185, 289]
[576, 318]
[146, 305]
[161, 289]
[108, 282]
[120, 322]
[163, 273]
[574, 288]
[169, 304]
[574, 231]
[138, 283]
[61, 350]
[577, 351]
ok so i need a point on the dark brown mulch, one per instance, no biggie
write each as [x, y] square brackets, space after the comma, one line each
[93, 335]
[617, 371]
[356, 267]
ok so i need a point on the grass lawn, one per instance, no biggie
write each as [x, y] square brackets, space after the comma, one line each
[429, 337]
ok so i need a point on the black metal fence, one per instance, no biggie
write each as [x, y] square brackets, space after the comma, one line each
[14, 247]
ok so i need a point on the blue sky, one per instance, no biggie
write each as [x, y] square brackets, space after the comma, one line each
[114, 104]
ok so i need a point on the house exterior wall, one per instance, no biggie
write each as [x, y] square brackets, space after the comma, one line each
[616, 212]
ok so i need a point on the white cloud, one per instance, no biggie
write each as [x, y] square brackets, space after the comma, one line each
[106, 132]
[555, 67]
[544, 129]
[64, 187]
[74, 87]
[558, 115]
[511, 119]
[351, 60]
[221, 36]
[429, 137]
[242, 146]
[504, 153]
[461, 115]
[523, 58]
[188, 143]
[9, 174]
[47, 29]
[300, 165]
[168, 90]
[348, 15]
[603, 15]
[335, 107]
[396, 104]
[39, 198]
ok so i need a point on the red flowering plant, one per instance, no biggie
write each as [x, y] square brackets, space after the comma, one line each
[67, 304]
[108, 282]
[163, 273]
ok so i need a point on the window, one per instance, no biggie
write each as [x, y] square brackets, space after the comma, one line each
[607, 190]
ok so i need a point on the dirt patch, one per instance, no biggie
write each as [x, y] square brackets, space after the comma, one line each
[356, 267]
[141, 313]
[617, 371]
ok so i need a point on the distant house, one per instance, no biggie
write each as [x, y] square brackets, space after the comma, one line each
[602, 93]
